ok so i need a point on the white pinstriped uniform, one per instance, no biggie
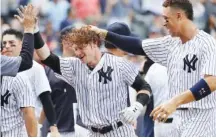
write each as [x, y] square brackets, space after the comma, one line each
[187, 63]
[17, 93]
[39, 82]
[99, 103]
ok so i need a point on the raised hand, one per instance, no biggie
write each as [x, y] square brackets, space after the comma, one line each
[27, 17]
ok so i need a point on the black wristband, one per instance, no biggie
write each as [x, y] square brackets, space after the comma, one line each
[38, 41]
[143, 98]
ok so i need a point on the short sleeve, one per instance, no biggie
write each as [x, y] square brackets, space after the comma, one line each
[157, 49]
[10, 65]
[209, 58]
[67, 67]
[41, 80]
[23, 92]
[128, 71]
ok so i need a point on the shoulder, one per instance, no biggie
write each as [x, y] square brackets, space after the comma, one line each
[207, 40]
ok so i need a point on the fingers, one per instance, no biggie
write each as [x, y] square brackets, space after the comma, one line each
[18, 18]
[20, 13]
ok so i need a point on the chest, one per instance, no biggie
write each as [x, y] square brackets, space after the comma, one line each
[185, 59]
[104, 79]
[8, 97]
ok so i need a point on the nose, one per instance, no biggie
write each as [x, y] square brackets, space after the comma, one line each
[7, 45]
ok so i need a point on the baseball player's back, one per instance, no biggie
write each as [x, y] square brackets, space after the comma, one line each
[15, 94]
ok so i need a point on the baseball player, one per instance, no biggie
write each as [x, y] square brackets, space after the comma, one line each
[101, 82]
[189, 55]
[17, 108]
[63, 97]
[36, 75]
[11, 65]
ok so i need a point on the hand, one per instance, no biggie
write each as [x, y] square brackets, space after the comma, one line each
[162, 112]
[54, 132]
[101, 32]
[130, 114]
[26, 17]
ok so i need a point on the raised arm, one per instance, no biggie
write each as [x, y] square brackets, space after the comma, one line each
[9, 65]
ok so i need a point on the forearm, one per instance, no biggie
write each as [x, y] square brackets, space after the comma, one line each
[211, 81]
[48, 107]
[188, 96]
[30, 121]
[41, 48]
[143, 89]
[27, 52]
[45, 55]
[129, 44]
[42, 117]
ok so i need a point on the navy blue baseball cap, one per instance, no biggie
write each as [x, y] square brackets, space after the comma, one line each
[118, 28]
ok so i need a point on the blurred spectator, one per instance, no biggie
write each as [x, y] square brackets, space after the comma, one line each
[199, 14]
[57, 12]
[70, 18]
[211, 17]
[87, 9]
[119, 11]
[50, 36]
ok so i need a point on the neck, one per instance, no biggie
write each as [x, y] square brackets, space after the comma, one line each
[188, 31]
[96, 60]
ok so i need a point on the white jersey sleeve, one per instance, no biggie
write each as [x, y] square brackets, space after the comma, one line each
[24, 94]
[129, 71]
[209, 57]
[41, 80]
[10, 65]
[157, 49]
[67, 67]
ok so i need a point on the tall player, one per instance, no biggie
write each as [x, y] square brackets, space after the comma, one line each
[11, 65]
[189, 55]
[17, 108]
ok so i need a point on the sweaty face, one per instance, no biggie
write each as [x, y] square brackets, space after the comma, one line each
[171, 21]
[11, 46]
[85, 54]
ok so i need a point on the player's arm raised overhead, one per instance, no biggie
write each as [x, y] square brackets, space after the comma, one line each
[132, 77]
[11, 65]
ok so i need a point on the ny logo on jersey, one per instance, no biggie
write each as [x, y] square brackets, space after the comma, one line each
[190, 63]
[4, 98]
[106, 75]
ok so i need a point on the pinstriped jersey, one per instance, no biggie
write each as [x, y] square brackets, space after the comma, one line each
[16, 92]
[101, 93]
[186, 63]
[39, 83]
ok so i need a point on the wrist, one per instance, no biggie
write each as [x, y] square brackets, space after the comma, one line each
[53, 128]
[103, 34]
[36, 29]
[29, 30]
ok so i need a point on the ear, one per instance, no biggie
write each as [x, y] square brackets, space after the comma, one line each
[179, 15]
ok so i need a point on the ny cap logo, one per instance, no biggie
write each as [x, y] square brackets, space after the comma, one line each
[190, 64]
[106, 75]
[4, 98]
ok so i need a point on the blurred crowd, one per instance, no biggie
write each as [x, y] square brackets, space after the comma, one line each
[143, 16]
